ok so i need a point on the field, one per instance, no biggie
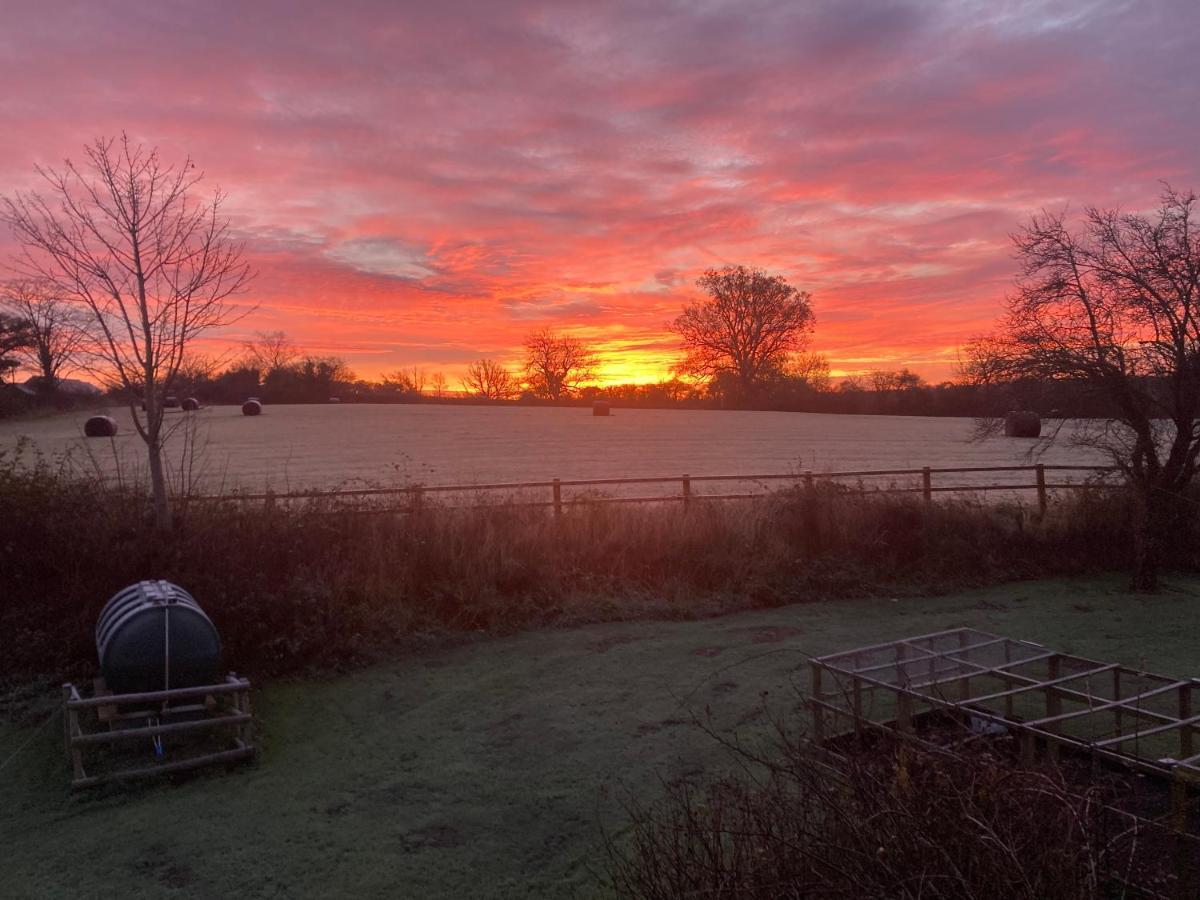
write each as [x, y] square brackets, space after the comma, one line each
[486, 768]
[329, 446]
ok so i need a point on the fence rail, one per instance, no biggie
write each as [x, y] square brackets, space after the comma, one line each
[414, 494]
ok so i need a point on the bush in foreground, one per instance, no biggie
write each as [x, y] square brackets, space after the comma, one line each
[888, 821]
[324, 584]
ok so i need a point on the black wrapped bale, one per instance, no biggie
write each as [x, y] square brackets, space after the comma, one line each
[600, 408]
[170, 402]
[1022, 424]
[190, 404]
[153, 636]
[100, 426]
[251, 407]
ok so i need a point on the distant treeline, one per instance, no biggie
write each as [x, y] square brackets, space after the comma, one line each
[274, 371]
[324, 380]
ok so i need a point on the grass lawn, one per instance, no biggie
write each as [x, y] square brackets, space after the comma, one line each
[486, 769]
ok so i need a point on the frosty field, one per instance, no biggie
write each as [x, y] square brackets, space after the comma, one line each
[293, 447]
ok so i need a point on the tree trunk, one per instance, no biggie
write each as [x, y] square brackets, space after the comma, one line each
[158, 488]
[1146, 538]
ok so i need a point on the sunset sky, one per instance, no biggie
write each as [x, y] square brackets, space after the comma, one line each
[422, 183]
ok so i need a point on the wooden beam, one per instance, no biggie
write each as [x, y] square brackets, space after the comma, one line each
[929, 655]
[892, 644]
[1000, 671]
[1106, 705]
[155, 696]
[125, 734]
[1158, 729]
[178, 766]
[1043, 684]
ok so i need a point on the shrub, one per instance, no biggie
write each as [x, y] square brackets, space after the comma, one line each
[888, 821]
[323, 584]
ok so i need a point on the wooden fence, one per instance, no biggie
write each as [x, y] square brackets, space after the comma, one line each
[688, 487]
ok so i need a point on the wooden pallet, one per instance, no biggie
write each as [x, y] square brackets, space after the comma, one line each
[97, 726]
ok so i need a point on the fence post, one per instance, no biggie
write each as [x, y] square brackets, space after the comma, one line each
[1041, 487]
[927, 484]
[67, 715]
[818, 698]
[1185, 712]
[1053, 705]
[557, 497]
[687, 490]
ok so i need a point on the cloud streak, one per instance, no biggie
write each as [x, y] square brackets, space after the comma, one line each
[420, 182]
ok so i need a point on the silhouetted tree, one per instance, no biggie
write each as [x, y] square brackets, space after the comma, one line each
[196, 374]
[16, 337]
[56, 327]
[270, 351]
[489, 380]
[414, 379]
[557, 366]
[407, 384]
[812, 369]
[746, 328]
[1114, 307]
[313, 379]
[124, 238]
[235, 384]
[884, 382]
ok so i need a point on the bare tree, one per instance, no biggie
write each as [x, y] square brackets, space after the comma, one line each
[438, 381]
[557, 366]
[886, 382]
[489, 380]
[1115, 308]
[270, 351]
[123, 237]
[811, 368]
[745, 329]
[57, 327]
[852, 384]
[408, 381]
[197, 371]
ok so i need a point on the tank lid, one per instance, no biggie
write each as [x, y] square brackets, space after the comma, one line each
[160, 592]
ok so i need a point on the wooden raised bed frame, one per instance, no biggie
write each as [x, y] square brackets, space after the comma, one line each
[973, 674]
[106, 718]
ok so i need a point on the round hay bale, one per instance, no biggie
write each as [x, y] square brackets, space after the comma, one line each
[1022, 423]
[100, 426]
[190, 404]
[170, 402]
[251, 407]
[600, 408]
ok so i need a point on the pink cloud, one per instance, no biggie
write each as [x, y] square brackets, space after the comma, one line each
[421, 183]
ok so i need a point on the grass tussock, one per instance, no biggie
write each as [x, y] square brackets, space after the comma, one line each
[323, 585]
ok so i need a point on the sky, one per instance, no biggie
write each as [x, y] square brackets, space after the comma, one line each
[422, 184]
